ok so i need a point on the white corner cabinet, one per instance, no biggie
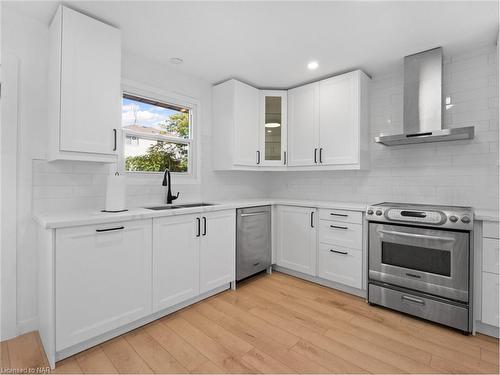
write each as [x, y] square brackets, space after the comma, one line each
[99, 281]
[318, 126]
[84, 88]
[322, 245]
[249, 127]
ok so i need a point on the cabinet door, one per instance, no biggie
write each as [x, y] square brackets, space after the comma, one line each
[90, 84]
[217, 249]
[297, 239]
[103, 279]
[272, 127]
[246, 124]
[175, 260]
[491, 291]
[339, 119]
[303, 125]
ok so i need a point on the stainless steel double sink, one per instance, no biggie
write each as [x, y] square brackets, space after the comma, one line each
[177, 206]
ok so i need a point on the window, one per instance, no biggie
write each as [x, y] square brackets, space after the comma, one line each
[157, 135]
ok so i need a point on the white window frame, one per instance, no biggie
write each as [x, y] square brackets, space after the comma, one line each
[160, 95]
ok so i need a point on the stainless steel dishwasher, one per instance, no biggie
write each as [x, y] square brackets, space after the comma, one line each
[253, 240]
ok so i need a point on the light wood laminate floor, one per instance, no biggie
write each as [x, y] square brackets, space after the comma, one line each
[276, 324]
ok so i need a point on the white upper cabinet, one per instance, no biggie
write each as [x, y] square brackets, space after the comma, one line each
[328, 123]
[235, 135]
[303, 132]
[339, 120]
[85, 88]
[321, 125]
[273, 128]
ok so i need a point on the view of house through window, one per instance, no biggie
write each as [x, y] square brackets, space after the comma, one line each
[157, 135]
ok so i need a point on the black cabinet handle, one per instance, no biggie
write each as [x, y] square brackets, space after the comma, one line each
[339, 252]
[312, 219]
[109, 229]
[284, 157]
[338, 227]
[198, 229]
[334, 214]
[204, 226]
[321, 155]
[315, 156]
[114, 137]
[258, 157]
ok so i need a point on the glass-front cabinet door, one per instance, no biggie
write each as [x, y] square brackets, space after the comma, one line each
[272, 128]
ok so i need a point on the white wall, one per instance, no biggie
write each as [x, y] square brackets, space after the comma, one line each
[26, 40]
[456, 173]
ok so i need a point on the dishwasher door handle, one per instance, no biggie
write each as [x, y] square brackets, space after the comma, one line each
[255, 213]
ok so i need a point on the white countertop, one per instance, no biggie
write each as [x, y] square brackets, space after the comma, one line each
[84, 217]
[486, 215]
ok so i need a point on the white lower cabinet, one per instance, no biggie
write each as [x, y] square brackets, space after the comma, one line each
[192, 254]
[490, 299]
[176, 263]
[340, 264]
[217, 249]
[102, 278]
[297, 245]
[490, 283]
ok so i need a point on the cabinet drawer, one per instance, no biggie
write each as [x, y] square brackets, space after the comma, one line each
[491, 250]
[341, 264]
[341, 216]
[490, 300]
[490, 229]
[341, 233]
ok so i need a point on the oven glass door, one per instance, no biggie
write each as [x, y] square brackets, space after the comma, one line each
[429, 260]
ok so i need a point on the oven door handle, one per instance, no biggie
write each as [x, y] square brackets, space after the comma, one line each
[414, 235]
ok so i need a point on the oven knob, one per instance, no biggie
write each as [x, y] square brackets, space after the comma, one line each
[369, 212]
[453, 219]
[466, 220]
[378, 213]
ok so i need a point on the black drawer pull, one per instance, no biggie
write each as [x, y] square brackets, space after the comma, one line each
[256, 264]
[342, 215]
[338, 227]
[339, 252]
[109, 229]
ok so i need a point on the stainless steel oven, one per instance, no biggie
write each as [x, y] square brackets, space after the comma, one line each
[420, 261]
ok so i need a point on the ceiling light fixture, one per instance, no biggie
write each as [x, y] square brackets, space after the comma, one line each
[312, 65]
[273, 125]
[176, 60]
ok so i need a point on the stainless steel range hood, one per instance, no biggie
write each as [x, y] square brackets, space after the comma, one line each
[423, 108]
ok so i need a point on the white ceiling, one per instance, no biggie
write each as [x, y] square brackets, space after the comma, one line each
[269, 44]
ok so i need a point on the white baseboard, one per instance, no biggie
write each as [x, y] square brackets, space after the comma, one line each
[28, 325]
[486, 329]
[320, 281]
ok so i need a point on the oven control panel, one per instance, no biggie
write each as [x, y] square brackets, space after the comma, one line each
[427, 217]
[452, 217]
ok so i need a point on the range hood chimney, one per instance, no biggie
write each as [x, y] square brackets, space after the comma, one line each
[423, 108]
